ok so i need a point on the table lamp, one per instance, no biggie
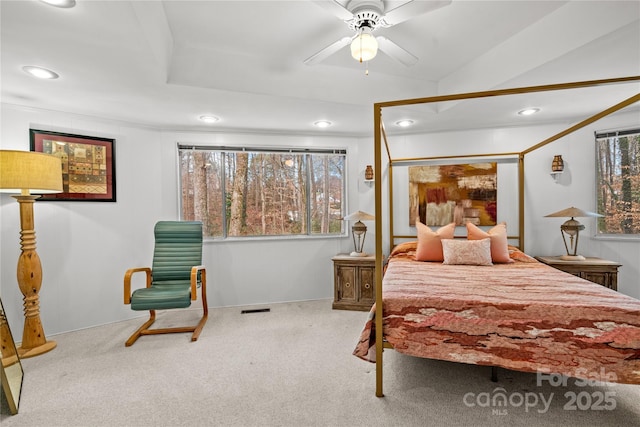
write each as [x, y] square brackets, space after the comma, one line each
[359, 230]
[24, 172]
[570, 229]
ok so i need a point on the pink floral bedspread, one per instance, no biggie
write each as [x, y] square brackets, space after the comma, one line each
[524, 316]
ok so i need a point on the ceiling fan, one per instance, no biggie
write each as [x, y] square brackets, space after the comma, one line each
[364, 17]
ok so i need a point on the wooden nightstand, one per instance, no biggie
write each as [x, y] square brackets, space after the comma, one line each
[596, 270]
[354, 282]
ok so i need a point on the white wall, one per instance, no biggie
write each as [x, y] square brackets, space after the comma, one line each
[85, 247]
[576, 187]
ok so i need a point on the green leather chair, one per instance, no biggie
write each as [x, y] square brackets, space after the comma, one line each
[172, 280]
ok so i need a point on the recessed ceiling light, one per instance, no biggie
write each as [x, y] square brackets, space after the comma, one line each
[404, 123]
[39, 72]
[322, 123]
[60, 3]
[528, 111]
[209, 119]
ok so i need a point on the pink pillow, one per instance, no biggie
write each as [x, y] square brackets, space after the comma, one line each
[467, 252]
[404, 248]
[429, 245]
[498, 236]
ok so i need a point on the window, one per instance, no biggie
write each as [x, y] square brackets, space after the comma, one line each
[618, 175]
[251, 192]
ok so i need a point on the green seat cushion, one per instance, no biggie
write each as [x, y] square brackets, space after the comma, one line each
[161, 297]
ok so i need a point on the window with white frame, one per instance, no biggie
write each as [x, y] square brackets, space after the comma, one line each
[242, 192]
[618, 186]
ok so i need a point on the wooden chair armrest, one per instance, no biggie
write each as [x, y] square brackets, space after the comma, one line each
[194, 280]
[127, 281]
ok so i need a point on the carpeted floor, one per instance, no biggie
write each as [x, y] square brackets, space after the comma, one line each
[291, 366]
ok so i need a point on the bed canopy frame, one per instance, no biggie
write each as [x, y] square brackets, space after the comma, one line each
[380, 137]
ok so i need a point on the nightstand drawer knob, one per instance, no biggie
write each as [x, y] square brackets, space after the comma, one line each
[347, 284]
[367, 286]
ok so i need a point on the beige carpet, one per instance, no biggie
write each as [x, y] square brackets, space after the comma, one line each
[291, 366]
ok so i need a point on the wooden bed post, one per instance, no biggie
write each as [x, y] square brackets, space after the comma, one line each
[377, 124]
[521, 201]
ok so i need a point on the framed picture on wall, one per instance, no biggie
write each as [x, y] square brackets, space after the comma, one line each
[441, 194]
[88, 165]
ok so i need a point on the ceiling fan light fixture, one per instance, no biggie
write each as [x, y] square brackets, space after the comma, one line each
[364, 46]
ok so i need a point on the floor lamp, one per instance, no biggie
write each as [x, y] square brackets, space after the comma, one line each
[23, 172]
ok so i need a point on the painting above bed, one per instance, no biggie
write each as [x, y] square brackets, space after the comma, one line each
[441, 194]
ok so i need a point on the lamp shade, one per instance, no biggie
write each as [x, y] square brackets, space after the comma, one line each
[572, 213]
[28, 171]
[364, 46]
[359, 216]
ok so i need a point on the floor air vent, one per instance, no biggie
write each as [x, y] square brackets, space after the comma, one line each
[256, 310]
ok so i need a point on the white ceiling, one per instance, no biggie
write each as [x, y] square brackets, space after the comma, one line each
[165, 63]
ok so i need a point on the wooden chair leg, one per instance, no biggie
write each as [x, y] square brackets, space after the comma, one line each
[141, 329]
[198, 328]
[205, 312]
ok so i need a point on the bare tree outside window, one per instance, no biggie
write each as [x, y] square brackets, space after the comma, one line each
[618, 174]
[242, 192]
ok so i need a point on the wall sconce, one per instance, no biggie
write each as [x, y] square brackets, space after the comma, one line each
[557, 167]
[570, 229]
[368, 173]
[359, 230]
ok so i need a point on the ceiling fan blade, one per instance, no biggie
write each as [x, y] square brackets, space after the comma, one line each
[411, 10]
[396, 52]
[327, 51]
[335, 8]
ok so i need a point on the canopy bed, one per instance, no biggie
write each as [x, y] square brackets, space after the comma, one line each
[507, 311]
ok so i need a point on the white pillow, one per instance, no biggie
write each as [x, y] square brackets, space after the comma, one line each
[467, 252]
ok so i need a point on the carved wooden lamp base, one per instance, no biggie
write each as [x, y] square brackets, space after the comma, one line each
[29, 270]
[36, 351]
[34, 342]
